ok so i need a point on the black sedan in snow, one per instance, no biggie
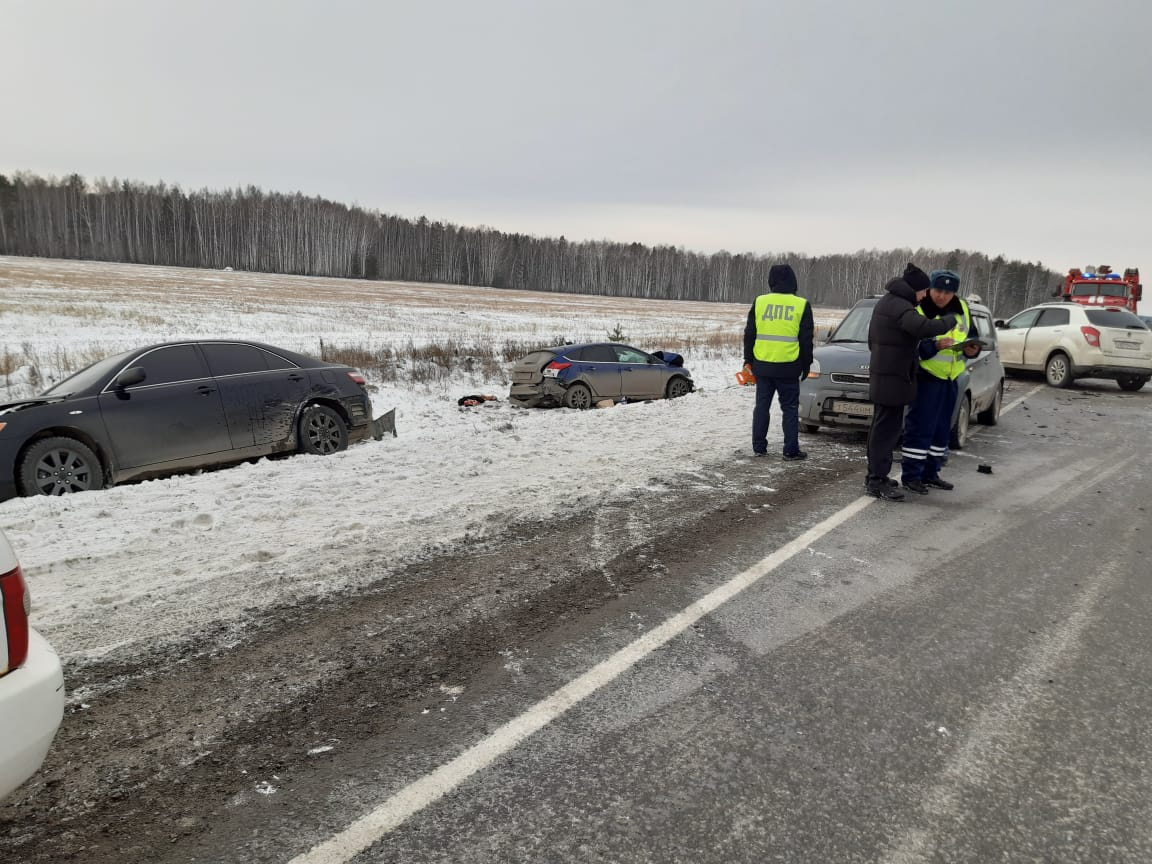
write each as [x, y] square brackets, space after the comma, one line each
[176, 407]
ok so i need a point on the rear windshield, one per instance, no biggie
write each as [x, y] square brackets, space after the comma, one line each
[1114, 318]
[538, 358]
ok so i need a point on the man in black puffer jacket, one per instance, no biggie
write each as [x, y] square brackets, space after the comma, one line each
[893, 337]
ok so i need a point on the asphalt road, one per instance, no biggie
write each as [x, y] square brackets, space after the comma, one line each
[960, 677]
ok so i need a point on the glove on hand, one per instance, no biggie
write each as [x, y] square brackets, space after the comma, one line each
[804, 373]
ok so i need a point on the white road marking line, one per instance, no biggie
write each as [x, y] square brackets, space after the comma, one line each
[1016, 402]
[972, 433]
[997, 729]
[427, 790]
[416, 796]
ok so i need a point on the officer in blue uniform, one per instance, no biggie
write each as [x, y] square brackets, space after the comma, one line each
[928, 425]
[778, 347]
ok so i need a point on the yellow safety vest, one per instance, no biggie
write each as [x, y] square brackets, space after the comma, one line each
[946, 363]
[778, 327]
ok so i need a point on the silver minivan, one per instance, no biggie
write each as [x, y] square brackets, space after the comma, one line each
[835, 394]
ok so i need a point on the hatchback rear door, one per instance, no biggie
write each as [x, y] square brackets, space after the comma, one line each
[599, 368]
[1124, 339]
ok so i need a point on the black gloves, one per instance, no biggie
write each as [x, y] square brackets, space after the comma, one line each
[804, 373]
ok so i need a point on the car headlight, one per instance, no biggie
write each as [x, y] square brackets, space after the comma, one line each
[814, 369]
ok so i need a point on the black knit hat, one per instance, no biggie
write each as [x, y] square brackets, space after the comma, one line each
[916, 278]
[782, 279]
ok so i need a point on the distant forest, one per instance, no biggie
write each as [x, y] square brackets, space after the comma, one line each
[271, 232]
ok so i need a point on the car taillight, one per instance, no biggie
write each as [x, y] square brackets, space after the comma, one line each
[553, 368]
[17, 603]
[1091, 336]
[358, 378]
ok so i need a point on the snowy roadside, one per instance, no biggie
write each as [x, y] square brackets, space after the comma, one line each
[167, 558]
[163, 558]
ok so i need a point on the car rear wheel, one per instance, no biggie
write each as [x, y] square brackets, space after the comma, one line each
[322, 431]
[677, 387]
[58, 466]
[577, 396]
[1131, 382]
[1058, 370]
[990, 416]
[963, 421]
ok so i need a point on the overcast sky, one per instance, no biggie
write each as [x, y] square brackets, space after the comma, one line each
[1020, 127]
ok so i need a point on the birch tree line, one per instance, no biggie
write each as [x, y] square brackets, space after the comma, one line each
[249, 229]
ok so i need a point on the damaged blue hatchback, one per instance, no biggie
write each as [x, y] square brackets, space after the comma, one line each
[579, 376]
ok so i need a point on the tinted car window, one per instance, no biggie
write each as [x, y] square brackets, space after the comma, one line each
[275, 361]
[1024, 319]
[176, 363]
[89, 376]
[630, 355]
[984, 326]
[231, 358]
[1113, 318]
[1052, 318]
[599, 354]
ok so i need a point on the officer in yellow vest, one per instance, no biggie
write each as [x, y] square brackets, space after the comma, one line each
[928, 425]
[778, 347]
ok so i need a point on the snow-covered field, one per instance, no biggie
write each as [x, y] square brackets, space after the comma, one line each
[160, 559]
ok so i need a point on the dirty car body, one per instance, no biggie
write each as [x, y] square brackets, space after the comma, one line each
[835, 394]
[579, 376]
[175, 407]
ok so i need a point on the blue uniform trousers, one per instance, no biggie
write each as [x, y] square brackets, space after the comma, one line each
[787, 389]
[927, 428]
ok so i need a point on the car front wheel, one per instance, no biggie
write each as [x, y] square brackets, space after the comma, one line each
[676, 388]
[963, 420]
[990, 416]
[58, 466]
[322, 431]
[1058, 370]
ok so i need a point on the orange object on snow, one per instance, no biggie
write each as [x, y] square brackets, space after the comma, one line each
[745, 377]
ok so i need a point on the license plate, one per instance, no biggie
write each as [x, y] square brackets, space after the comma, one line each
[857, 409]
[521, 376]
[1130, 345]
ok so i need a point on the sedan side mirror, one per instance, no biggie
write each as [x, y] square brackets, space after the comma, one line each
[998, 324]
[129, 378]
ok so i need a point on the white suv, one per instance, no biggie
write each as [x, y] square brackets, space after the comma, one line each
[1067, 341]
[31, 681]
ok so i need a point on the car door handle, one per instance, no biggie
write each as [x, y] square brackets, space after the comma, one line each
[295, 377]
[204, 390]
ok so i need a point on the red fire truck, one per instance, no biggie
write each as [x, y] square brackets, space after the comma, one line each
[1102, 287]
